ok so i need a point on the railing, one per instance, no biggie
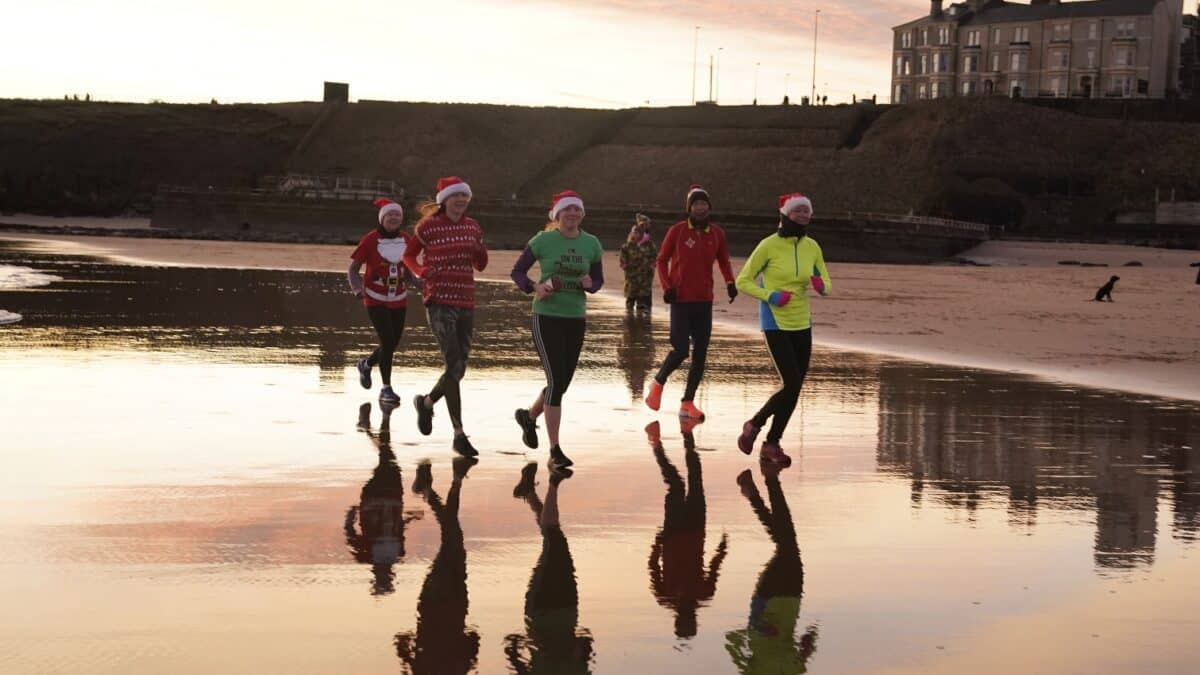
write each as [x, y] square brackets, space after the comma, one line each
[908, 219]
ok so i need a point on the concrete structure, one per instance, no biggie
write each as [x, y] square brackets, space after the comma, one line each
[1189, 58]
[337, 92]
[1095, 49]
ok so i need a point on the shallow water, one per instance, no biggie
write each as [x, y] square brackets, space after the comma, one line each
[193, 484]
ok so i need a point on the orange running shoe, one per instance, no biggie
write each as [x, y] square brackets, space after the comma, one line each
[654, 434]
[654, 396]
[690, 411]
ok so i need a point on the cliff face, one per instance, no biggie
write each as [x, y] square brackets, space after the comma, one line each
[992, 160]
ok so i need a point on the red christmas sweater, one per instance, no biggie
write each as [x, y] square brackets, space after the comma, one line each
[452, 253]
[383, 283]
[686, 258]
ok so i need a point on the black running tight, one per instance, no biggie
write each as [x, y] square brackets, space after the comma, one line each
[558, 341]
[791, 351]
[691, 325]
[453, 327]
[389, 326]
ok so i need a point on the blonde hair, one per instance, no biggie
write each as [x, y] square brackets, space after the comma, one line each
[551, 225]
[428, 210]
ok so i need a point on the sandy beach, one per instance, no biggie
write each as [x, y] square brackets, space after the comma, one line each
[1023, 312]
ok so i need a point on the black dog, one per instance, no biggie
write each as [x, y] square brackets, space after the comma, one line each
[1107, 289]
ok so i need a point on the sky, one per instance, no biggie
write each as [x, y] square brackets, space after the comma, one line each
[579, 53]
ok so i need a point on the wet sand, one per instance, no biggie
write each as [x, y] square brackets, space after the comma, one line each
[1024, 314]
[193, 484]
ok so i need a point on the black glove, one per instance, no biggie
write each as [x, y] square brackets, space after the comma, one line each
[669, 295]
[731, 289]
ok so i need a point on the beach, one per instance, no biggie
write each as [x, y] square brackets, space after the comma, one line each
[1023, 313]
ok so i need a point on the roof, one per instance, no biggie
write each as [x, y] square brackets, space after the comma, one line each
[1011, 12]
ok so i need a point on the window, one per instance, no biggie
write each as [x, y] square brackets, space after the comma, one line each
[1062, 32]
[995, 62]
[968, 88]
[943, 62]
[1126, 29]
[1122, 85]
[1018, 61]
[906, 39]
[899, 65]
[1021, 34]
[1016, 88]
[935, 90]
[944, 35]
[907, 66]
[973, 38]
[921, 92]
[924, 64]
[1094, 30]
[924, 36]
[1091, 57]
[1060, 59]
[995, 36]
[971, 64]
[901, 95]
[1058, 86]
[1123, 56]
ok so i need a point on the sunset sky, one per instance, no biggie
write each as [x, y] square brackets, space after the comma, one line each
[583, 53]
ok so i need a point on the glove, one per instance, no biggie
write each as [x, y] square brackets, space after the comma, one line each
[818, 284]
[731, 289]
[780, 298]
[669, 295]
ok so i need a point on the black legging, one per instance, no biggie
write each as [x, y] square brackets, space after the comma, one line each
[791, 351]
[558, 341]
[453, 327]
[389, 325]
[691, 322]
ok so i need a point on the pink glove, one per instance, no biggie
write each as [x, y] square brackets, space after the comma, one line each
[818, 284]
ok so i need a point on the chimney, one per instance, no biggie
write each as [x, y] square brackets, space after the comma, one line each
[935, 7]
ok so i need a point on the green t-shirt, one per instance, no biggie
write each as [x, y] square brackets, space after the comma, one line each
[565, 260]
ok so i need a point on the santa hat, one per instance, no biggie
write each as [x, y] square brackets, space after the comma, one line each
[451, 185]
[789, 202]
[562, 200]
[387, 206]
[696, 193]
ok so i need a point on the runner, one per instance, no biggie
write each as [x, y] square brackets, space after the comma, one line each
[382, 291]
[569, 262]
[685, 265]
[789, 263]
[446, 250]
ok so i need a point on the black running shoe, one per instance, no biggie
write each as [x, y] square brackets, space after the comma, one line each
[364, 417]
[462, 445]
[526, 485]
[387, 397]
[364, 373]
[529, 428]
[424, 415]
[424, 477]
[558, 459]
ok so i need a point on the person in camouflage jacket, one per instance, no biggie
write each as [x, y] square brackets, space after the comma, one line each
[638, 255]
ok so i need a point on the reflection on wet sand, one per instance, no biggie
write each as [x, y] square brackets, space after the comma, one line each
[552, 643]
[443, 642]
[768, 643]
[635, 356]
[378, 537]
[678, 578]
[968, 439]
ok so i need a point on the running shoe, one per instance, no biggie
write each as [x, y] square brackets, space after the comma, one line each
[745, 481]
[654, 434]
[462, 445]
[689, 410]
[424, 415]
[388, 397]
[745, 441]
[364, 417]
[528, 428]
[772, 453]
[424, 477]
[462, 465]
[654, 396]
[364, 373]
[526, 485]
[558, 459]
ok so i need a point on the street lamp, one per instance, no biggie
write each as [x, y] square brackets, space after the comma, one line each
[718, 95]
[786, 77]
[695, 44]
[756, 65]
[816, 24]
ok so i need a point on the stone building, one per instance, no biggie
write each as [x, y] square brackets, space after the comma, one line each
[1094, 49]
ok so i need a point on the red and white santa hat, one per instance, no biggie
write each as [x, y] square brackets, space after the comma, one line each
[790, 202]
[387, 206]
[695, 193]
[451, 185]
[562, 200]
